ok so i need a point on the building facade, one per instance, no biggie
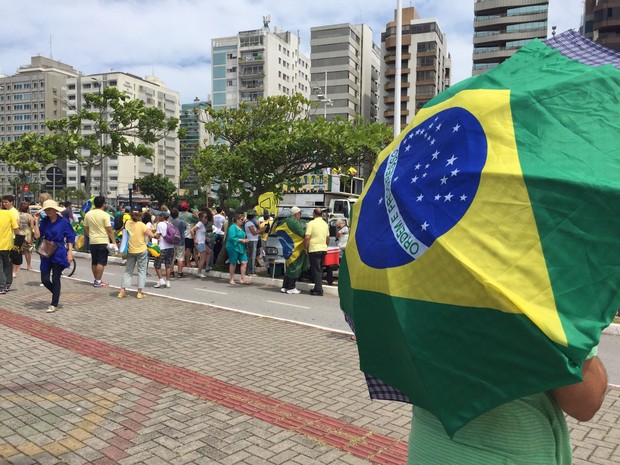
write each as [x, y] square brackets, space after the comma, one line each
[193, 116]
[602, 22]
[36, 93]
[113, 177]
[425, 65]
[346, 71]
[502, 27]
[257, 63]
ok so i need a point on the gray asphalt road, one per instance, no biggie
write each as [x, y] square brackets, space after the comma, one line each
[266, 300]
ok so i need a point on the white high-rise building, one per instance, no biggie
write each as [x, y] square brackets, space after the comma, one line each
[113, 177]
[257, 63]
[346, 69]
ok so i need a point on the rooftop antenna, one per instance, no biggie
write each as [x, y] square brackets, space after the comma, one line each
[553, 28]
[266, 21]
[51, 54]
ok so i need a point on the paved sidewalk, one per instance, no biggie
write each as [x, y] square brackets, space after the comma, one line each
[160, 381]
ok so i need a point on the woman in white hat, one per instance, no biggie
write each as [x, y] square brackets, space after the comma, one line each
[57, 229]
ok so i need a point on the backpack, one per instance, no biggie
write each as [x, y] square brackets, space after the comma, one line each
[172, 236]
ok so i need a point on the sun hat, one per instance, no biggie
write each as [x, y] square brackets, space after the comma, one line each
[295, 210]
[51, 204]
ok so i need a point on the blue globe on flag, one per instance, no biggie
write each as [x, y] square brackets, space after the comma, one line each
[422, 189]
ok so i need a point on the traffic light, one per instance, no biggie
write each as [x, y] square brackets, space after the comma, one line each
[26, 188]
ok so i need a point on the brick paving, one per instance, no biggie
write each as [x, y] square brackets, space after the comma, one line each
[158, 381]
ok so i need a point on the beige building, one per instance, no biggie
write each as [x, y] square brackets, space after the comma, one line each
[501, 27]
[345, 65]
[425, 65]
[257, 63]
[36, 93]
[116, 173]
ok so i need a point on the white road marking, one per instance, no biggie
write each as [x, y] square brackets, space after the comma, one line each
[209, 290]
[287, 304]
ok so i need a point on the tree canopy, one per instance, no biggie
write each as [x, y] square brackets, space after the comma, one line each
[28, 155]
[157, 186]
[264, 145]
[118, 126]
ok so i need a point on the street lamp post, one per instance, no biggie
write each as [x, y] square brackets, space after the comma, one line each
[130, 189]
[321, 95]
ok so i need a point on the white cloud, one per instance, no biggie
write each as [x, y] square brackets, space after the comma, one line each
[172, 38]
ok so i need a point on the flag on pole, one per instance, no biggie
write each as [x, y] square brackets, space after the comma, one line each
[483, 263]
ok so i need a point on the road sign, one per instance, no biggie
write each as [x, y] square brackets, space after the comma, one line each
[53, 173]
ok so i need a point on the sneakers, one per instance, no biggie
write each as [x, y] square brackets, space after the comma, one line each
[293, 291]
[317, 293]
[168, 284]
[202, 275]
[140, 295]
[51, 309]
[159, 284]
[283, 290]
[2, 292]
[100, 284]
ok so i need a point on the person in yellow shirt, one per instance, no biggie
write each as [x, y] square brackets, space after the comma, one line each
[315, 244]
[137, 253]
[98, 229]
[8, 225]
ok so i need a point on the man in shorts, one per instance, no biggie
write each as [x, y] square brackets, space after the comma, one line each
[166, 256]
[98, 229]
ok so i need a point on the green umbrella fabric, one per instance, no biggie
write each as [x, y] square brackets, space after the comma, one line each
[484, 261]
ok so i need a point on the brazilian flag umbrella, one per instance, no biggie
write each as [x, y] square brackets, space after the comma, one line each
[484, 261]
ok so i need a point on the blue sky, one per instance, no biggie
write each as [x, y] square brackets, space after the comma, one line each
[172, 38]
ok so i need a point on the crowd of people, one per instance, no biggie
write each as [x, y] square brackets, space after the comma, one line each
[172, 237]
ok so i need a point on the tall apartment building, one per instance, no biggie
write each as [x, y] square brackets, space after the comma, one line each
[37, 92]
[425, 65]
[502, 27]
[602, 22]
[113, 177]
[346, 71]
[196, 137]
[257, 63]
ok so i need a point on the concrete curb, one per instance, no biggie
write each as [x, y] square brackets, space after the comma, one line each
[265, 280]
[613, 329]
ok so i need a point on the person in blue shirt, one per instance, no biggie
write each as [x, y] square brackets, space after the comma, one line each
[57, 229]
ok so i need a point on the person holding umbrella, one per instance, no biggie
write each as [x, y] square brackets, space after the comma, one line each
[56, 229]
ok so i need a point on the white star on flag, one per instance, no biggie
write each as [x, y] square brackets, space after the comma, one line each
[451, 160]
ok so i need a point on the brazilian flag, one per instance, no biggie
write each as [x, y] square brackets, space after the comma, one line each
[88, 205]
[485, 262]
[291, 234]
[153, 249]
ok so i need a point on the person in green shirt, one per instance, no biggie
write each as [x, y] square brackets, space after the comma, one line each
[527, 431]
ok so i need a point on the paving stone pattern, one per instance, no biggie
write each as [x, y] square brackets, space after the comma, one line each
[107, 381]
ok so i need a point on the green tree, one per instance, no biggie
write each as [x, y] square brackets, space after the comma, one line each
[261, 146]
[119, 126]
[27, 156]
[157, 186]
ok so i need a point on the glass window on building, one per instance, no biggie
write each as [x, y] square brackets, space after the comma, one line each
[219, 59]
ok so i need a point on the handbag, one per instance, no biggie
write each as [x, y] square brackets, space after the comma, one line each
[46, 248]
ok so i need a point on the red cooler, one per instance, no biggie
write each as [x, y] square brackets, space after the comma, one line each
[332, 257]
